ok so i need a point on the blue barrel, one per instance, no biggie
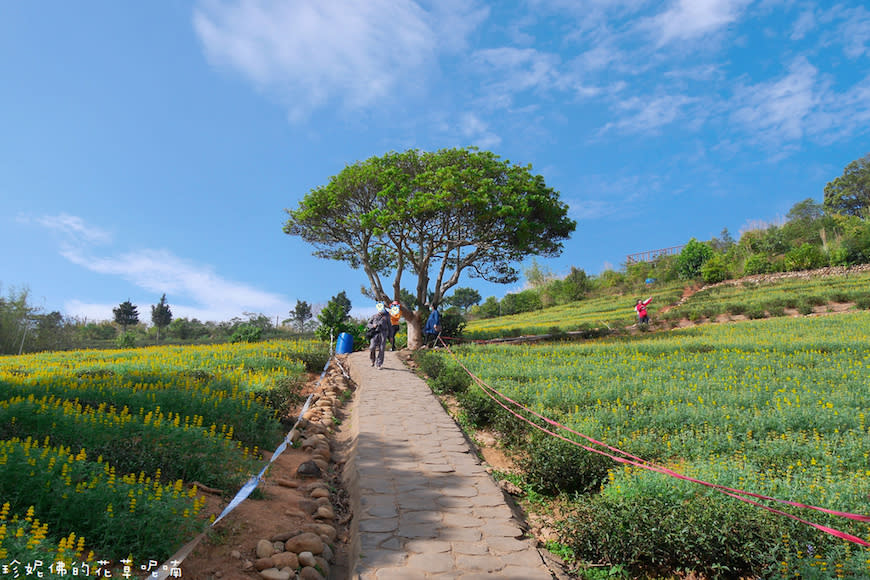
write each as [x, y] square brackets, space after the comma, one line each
[344, 344]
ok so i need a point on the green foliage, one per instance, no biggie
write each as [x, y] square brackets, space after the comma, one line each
[553, 466]
[490, 308]
[452, 324]
[126, 314]
[463, 298]
[524, 301]
[246, 333]
[651, 535]
[691, 258]
[300, 315]
[715, 269]
[335, 319]
[804, 257]
[370, 213]
[161, 315]
[149, 444]
[119, 516]
[849, 194]
[756, 264]
[126, 340]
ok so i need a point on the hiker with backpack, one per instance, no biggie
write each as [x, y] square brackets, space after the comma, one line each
[378, 332]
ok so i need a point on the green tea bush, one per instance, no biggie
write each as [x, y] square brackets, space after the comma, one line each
[716, 537]
[453, 379]
[755, 313]
[430, 363]
[553, 466]
[478, 408]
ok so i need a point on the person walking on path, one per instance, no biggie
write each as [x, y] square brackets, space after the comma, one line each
[395, 317]
[378, 331]
[640, 307]
[433, 327]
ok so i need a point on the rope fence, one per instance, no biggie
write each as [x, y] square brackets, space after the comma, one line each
[624, 457]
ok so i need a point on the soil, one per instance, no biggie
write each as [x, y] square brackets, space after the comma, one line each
[280, 503]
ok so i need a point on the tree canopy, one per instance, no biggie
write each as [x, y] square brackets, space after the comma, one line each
[849, 194]
[435, 215]
[126, 314]
[161, 315]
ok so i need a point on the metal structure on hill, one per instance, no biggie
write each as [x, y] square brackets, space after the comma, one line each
[651, 255]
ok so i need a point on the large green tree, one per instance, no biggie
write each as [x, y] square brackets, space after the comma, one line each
[464, 298]
[849, 194]
[433, 215]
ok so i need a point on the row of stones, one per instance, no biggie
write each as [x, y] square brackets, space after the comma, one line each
[306, 554]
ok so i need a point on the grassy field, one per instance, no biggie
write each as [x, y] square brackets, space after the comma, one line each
[776, 407]
[98, 449]
[746, 299]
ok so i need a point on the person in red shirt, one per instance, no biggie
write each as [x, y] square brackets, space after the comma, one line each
[642, 316]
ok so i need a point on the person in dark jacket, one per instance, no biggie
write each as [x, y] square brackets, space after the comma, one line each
[379, 330]
[433, 327]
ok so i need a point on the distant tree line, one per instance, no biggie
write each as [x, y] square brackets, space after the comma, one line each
[835, 232]
[26, 328]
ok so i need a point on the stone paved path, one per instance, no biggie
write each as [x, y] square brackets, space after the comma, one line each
[425, 506]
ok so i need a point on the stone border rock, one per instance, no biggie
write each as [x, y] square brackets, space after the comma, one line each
[309, 552]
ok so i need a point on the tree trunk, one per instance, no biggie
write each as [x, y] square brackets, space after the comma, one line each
[415, 331]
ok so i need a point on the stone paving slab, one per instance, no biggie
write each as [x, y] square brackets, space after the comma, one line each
[426, 507]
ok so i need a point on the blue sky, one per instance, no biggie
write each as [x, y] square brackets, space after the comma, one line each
[151, 147]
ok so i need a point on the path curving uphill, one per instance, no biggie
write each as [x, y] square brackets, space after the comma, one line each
[424, 507]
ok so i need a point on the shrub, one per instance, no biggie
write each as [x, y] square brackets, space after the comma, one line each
[776, 310]
[755, 313]
[452, 379]
[736, 308]
[804, 257]
[452, 324]
[126, 340]
[715, 269]
[649, 535]
[756, 264]
[430, 363]
[863, 302]
[246, 333]
[554, 466]
[478, 408]
[691, 258]
[839, 296]
[525, 301]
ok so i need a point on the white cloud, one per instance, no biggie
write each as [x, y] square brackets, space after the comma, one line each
[693, 19]
[309, 53]
[74, 228]
[779, 109]
[160, 271]
[805, 23]
[648, 115]
[476, 131]
[855, 32]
